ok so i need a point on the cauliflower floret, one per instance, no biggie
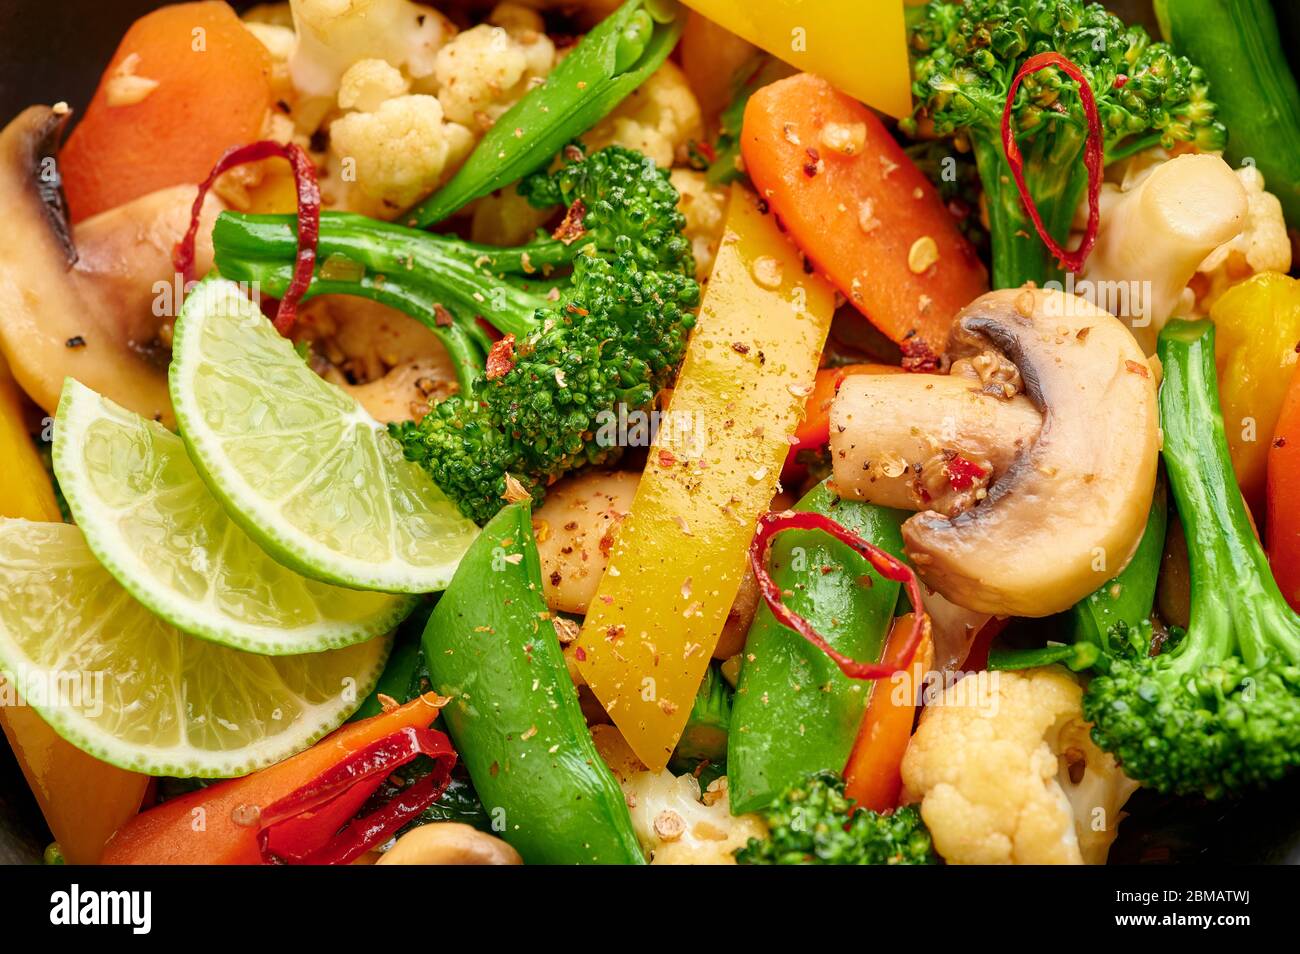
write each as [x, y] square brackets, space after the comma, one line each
[485, 70]
[1156, 227]
[334, 34]
[705, 209]
[401, 151]
[367, 83]
[1262, 245]
[678, 826]
[1006, 773]
[658, 119]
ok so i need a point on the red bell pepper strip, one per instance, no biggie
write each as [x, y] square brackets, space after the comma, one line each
[1283, 527]
[292, 811]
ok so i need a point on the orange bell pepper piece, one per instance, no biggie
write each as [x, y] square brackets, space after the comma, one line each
[218, 825]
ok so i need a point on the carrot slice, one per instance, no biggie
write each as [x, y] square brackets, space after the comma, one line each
[873, 777]
[213, 91]
[863, 213]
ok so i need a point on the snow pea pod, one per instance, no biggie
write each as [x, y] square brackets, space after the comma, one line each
[794, 712]
[599, 73]
[514, 715]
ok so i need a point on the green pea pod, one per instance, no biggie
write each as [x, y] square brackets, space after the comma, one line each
[794, 712]
[514, 714]
[1128, 597]
[599, 73]
[1238, 44]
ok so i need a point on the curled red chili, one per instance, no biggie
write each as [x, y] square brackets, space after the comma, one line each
[304, 174]
[891, 568]
[304, 826]
[1092, 158]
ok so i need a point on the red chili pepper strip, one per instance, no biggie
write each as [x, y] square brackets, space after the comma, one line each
[962, 473]
[313, 824]
[1092, 158]
[891, 568]
[304, 174]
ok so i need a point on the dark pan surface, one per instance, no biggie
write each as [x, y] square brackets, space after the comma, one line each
[55, 50]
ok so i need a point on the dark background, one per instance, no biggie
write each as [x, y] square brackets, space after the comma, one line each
[55, 50]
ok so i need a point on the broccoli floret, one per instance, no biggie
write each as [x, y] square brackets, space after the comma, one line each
[1217, 708]
[813, 824]
[965, 56]
[610, 331]
[705, 737]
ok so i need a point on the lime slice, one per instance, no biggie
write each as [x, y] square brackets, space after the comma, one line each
[299, 464]
[153, 524]
[121, 684]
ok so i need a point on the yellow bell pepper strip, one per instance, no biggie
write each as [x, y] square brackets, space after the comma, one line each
[1257, 330]
[83, 799]
[830, 38]
[680, 555]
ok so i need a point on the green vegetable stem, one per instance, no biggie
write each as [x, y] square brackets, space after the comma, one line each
[1238, 45]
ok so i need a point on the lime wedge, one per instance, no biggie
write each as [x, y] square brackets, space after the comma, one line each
[152, 522]
[297, 463]
[123, 685]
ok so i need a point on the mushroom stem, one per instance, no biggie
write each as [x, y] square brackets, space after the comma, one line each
[887, 429]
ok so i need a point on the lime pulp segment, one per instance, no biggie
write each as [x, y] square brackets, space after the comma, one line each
[120, 683]
[298, 463]
[152, 522]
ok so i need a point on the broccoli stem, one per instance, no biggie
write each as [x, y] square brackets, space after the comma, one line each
[1057, 182]
[404, 268]
[1236, 604]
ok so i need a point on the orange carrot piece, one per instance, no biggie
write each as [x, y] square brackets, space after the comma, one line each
[873, 776]
[172, 834]
[867, 218]
[213, 92]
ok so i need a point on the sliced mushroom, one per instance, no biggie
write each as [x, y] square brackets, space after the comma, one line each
[576, 528]
[886, 429]
[449, 843]
[88, 304]
[1068, 513]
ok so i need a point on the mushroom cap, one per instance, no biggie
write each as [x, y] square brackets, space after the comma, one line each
[86, 309]
[1067, 514]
